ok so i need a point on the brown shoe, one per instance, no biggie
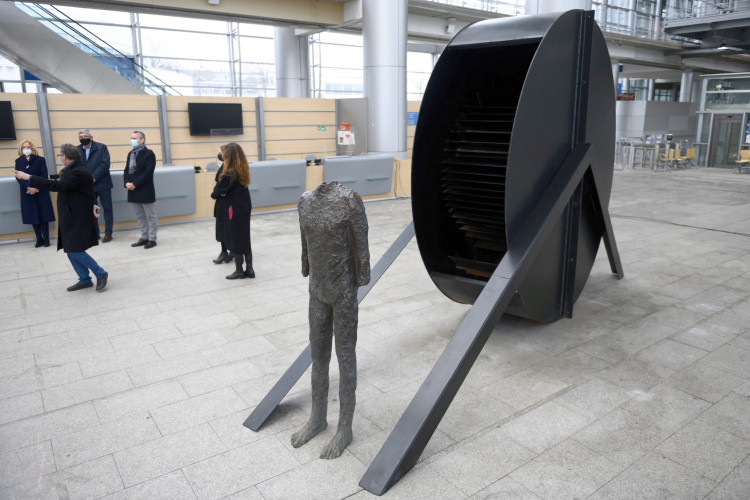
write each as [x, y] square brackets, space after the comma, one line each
[107, 238]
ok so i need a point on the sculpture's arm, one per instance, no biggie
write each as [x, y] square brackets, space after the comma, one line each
[358, 227]
[305, 262]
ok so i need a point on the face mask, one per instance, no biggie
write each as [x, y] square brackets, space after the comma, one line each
[26, 151]
[220, 157]
[134, 143]
[85, 141]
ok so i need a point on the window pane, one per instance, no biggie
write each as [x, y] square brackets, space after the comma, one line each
[119, 38]
[204, 91]
[256, 30]
[728, 84]
[258, 76]
[178, 72]
[340, 38]
[419, 61]
[184, 45]
[8, 70]
[340, 56]
[256, 50]
[12, 87]
[183, 23]
[94, 15]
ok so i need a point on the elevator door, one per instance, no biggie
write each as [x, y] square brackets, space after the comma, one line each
[726, 141]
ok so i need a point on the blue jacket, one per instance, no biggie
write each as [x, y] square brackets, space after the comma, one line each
[98, 163]
[35, 208]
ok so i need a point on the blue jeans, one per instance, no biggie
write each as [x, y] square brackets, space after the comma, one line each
[82, 262]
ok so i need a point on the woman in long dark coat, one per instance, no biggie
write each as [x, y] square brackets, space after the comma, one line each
[36, 206]
[232, 186]
[222, 219]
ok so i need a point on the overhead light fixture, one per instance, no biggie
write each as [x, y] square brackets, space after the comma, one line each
[450, 26]
[723, 46]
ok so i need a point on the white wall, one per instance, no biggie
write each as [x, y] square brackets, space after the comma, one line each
[641, 118]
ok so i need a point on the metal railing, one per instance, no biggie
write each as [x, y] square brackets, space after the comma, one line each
[510, 8]
[704, 8]
[123, 65]
[634, 22]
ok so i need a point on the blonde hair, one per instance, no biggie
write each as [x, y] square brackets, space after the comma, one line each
[20, 148]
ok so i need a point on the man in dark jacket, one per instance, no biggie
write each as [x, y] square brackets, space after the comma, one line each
[96, 156]
[139, 181]
[76, 210]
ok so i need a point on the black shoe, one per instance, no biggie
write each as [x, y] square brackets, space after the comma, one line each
[101, 282]
[107, 238]
[79, 286]
[38, 243]
[139, 243]
[223, 257]
[149, 244]
[237, 275]
[250, 273]
[46, 243]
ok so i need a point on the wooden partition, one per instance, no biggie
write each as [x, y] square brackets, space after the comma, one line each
[26, 120]
[293, 127]
[411, 107]
[110, 118]
[200, 150]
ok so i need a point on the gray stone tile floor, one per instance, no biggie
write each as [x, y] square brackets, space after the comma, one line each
[140, 392]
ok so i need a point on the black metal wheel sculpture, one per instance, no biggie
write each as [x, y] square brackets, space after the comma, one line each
[511, 177]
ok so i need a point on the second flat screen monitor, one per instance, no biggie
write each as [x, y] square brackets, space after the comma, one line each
[215, 118]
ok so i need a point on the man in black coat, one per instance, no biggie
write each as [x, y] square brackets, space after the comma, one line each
[139, 181]
[76, 209]
[96, 156]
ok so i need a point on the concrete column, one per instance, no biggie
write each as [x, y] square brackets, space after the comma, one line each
[384, 44]
[625, 84]
[632, 17]
[686, 86]
[650, 95]
[616, 74]
[292, 63]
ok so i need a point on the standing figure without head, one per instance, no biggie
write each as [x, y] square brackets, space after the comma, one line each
[336, 257]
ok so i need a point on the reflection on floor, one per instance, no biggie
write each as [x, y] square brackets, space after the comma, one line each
[141, 391]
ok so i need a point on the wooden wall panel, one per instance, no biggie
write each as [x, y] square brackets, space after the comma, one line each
[100, 102]
[180, 103]
[296, 104]
[302, 118]
[110, 137]
[288, 147]
[182, 136]
[132, 120]
[298, 133]
[26, 122]
[207, 150]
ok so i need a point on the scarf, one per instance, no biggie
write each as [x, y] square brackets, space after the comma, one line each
[131, 160]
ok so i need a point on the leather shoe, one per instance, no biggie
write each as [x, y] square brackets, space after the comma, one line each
[80, 286]
[250, 273]
[107, 238]
[101, 282]
[223, 257]
[149, 244]
[237, 275]
[39, 243]
[139, 243]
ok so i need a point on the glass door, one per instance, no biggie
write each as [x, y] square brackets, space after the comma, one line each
[726, 142]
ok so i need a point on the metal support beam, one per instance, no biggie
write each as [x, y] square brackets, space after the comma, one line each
[413, 431]
[166, 148]
[260, 128]
[45, 129]
[302, 363]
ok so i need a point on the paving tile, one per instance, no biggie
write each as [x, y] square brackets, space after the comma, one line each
[26, 463]
[248, 348]
[475, 464]
[672, 354]
[194, 411]
[567, 471]
[572, 366]
[636, 375]
[46, 426]
[43, 488]
[219, 377]
[732, 359]
[544, 427]
[736, 486]
[246, 466]
[704, 381]
[90, 480]
[73, 353]
[504, 489]
[175, 451]
[594, 398]
[119, 360]
[86, 390]
[658, 478]
[250, 493]
[36, 379]
[525, 388]
[16, 408]
[172, 486]
[142, 338]
[139, 399]
[15, 366]
[731, 414]
[472, 413]
[157, 371]
[184, 345]
[101, 440]
[706, 450]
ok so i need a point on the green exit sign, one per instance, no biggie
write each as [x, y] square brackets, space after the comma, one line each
[321, 128]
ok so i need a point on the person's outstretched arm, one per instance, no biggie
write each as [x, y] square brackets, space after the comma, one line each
[358, 228]
[305, 261]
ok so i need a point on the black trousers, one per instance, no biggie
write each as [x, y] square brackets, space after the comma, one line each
[105, 198]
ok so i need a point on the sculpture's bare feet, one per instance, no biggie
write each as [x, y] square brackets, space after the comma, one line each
[309, 431]
[336, 447]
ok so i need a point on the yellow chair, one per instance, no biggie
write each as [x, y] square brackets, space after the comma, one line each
[682, 161]
[666, 159]
[743, 162]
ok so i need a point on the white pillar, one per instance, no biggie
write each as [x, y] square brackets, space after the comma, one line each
[292, 63]
[686, 86]
[616, 74]
[650, 96]
[384, 44]
[625, 84]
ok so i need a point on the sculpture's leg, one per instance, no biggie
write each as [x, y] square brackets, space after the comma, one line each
[413, 431]
[321, 337]
[345, 323]
[302, 363]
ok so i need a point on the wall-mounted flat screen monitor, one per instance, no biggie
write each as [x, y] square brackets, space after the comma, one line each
[215, 118]
[7, 128]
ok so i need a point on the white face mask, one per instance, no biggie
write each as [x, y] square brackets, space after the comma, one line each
[134, 143]
[26, 151]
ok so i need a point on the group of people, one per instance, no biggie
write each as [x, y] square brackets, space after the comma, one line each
[86, 178]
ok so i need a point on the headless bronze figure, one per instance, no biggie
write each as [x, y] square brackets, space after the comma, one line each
[336, 257]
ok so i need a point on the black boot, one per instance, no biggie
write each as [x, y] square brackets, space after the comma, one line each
[249, 272]
[222, 258]
[45, 233]
[239, 273]
[38, 232]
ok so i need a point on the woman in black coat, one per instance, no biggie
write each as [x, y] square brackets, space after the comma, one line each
[232, 186]
[36, 206]
[222, 219]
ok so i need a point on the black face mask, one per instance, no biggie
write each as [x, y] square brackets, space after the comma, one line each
[220, 157]
[85, 141]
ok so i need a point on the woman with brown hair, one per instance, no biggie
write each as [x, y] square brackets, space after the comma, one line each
[36, 205]
[232, 186]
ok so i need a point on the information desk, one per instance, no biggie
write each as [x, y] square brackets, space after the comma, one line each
[277, 182]
[175, 193]
[364, 174]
